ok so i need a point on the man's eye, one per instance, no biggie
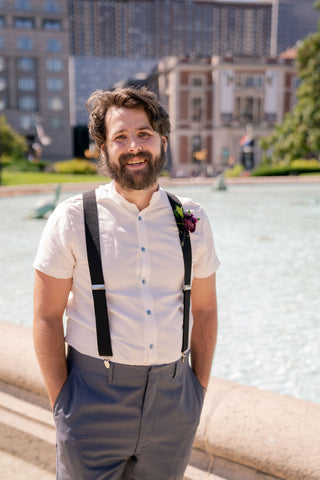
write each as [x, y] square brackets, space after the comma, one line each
[144, 134]
[120, 137]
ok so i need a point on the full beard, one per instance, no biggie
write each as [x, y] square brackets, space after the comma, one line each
[136, 179]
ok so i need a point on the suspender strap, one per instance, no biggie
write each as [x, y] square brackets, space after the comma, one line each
[187, 257]
[97, 281]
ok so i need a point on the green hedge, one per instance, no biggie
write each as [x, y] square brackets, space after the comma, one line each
[75, 166]
[296, 167]
[22, 164]
[235, 171]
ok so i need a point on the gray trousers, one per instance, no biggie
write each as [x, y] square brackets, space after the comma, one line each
[126, 422]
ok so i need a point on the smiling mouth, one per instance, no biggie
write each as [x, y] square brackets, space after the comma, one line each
[136, 161]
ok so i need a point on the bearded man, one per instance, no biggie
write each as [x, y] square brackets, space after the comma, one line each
[120, 262]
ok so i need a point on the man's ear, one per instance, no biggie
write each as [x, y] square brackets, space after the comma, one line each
[164, 141]
[103, 149]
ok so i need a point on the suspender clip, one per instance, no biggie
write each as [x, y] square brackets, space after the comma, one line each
[184, 355]
[186, 287]
[99, 286]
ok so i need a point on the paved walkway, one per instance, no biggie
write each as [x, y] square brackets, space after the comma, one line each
[14, 468]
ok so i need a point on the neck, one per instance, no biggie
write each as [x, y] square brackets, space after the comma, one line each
[141, 198]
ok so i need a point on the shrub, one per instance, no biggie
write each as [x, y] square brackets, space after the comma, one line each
[305, 165]
[235, 171]
[270, 171]
[296, 167]
[11, 143]
[5, 160]
[75, 166]
[22, 164]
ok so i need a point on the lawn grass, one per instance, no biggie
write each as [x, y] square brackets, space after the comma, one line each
[31, 178]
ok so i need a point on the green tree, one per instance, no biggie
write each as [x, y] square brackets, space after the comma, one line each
[299, 134]
[11, 143]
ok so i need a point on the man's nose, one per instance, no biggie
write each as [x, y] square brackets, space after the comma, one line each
[134, 144]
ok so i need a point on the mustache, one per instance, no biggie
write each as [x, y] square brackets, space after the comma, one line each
[125, 157]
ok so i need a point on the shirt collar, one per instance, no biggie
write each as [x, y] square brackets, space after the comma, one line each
[157, 197]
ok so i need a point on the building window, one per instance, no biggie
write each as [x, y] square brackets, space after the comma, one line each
[51, 6]
[3, 84]
[225, 155]
[27, 103]
[27, 84]
[296, 81]
[24, 43]
[54, 25]
[2, 21]
[54, 45]
[270, 117]
[27, 23]
[3, 102]
[249, 81]
[56, 123]
[26, 122]
[55, 104]
[22, 5]
[54, 84]
[196, 109]
[54, 65]
[196, 81]
[226, 118]
[248, 110]
[2, 64]
[1, 42]
[196, 145]
[26, 64]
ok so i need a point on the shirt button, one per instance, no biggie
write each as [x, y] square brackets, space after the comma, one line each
[139, 218]
[143, 249]
[151, 346]
[149, 312]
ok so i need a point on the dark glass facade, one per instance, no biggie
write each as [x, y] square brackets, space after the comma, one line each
[160, 28]
[296, 20]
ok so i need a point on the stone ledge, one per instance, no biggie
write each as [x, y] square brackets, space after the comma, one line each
[18, 363]
[203, 466]
[274, 434]
[26, 427]
[244, 433]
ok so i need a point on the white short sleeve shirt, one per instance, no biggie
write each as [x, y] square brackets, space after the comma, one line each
[143, 271]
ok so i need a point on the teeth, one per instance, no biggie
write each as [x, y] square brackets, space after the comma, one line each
[134, 162]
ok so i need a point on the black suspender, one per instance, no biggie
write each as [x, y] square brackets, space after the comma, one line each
[91, 223]
[184, 236]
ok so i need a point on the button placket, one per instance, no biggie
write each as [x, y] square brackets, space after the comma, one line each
[150, 325]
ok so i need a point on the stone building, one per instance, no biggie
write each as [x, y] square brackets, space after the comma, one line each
[34, 79]
[220, 107]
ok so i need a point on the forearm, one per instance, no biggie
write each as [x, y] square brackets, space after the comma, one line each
[203, 342]
[49, 346]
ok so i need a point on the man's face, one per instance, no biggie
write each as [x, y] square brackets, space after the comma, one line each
[134, 152]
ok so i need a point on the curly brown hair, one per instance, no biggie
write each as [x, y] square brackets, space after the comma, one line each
[129, 97]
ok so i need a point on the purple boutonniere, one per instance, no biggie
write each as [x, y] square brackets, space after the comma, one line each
[187, 219]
